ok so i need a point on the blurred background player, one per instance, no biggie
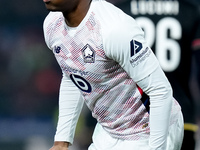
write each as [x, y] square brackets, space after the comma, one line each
[172, 30]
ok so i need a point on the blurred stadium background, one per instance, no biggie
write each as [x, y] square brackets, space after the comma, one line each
[29, 81]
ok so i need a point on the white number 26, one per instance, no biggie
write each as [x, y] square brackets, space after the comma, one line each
[165, 35]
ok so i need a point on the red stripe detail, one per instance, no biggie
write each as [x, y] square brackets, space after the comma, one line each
[140, 90]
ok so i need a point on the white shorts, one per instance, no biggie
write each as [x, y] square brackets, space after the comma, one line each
[103, 141]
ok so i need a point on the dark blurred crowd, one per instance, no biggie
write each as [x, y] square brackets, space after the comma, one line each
[29, 76]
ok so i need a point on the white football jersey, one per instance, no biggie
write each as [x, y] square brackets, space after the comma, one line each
[105, 56]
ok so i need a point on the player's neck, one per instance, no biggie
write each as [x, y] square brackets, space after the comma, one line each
[74, 18]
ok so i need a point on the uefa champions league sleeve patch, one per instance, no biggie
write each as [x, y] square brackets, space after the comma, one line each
[135, 47]
[138, 53]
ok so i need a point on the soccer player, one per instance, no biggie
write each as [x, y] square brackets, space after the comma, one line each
[172, 29]
[107, 64]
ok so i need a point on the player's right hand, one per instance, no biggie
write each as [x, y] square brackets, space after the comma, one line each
[60, 146]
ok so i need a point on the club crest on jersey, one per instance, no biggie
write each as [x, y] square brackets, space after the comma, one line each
[88, 54]
[135, 47]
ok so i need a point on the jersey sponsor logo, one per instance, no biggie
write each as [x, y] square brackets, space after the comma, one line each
[81, 83]
[135, 47]
[75, 71]
[88, 54]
